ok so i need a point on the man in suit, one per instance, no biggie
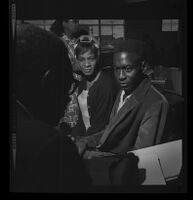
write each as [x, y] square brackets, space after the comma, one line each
[138, 116]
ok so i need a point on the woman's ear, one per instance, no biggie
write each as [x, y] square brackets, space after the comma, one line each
[143, 66]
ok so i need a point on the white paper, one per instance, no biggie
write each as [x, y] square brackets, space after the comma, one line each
[169, 154]
[153, 171]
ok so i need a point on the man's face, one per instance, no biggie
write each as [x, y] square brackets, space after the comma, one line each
[127, 69]
[71, 25]
[87, 62]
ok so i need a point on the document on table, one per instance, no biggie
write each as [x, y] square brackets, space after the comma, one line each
[153, 171]
[171, 159]
[169, 154]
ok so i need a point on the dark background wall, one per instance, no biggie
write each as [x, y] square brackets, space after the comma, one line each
[164, 42]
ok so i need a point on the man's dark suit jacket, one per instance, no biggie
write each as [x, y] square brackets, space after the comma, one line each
[45, 160]
[139, 123]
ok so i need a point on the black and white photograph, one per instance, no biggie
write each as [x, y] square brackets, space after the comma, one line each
[98, 96]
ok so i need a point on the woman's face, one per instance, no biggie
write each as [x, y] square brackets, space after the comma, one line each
[87, 62]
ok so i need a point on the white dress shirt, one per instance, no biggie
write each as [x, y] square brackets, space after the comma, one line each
[82, 100]
[122, 102]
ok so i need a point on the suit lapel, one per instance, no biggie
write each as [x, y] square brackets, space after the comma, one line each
[118, 116]
[127, 107]
[116, 104]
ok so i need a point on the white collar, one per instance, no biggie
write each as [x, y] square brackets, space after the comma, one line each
[122, 94]
[92, 82]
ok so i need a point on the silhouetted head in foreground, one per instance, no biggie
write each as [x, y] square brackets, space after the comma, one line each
[43, 72]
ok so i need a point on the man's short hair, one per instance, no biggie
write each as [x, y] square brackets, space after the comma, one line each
[131, 46]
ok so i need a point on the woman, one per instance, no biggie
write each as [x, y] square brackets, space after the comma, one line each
[96, 91]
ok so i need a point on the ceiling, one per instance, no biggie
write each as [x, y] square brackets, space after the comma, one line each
[94, 9]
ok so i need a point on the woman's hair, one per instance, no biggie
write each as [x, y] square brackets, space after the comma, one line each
[84, 47]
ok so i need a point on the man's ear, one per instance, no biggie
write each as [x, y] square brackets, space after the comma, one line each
[143, 66]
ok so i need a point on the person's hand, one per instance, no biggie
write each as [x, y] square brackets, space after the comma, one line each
[81, 145]
[87, 142]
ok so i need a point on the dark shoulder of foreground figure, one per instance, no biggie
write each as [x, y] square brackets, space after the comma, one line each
[80, 180]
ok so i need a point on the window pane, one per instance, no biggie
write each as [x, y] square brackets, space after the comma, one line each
[175, 27]
[175, 21]
[49, 22]
[112, 21]
[166, 27]
[35, 22]
[88, 21]
[95, 30]
[175, 24]
[41, 26]
[47, 27]
[118, 31]
[106, 30]
[170, 24]
[166, 21]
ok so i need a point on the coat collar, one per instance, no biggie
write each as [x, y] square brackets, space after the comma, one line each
[115, 118]
[140, 92]
[137, 96]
